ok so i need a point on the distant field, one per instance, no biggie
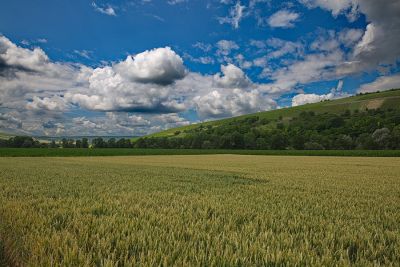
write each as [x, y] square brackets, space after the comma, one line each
[79, 152]
[201, 210]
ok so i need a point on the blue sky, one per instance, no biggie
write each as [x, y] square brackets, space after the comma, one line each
[140, 66]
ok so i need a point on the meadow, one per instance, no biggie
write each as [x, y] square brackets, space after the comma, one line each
[200, 210]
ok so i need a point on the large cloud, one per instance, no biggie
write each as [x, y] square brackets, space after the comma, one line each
[232, 94]
[161, 66]
[13, 58]
[141, 83]
[37, 94]
[110, 91]
[28, 79]
[40, 96]
[223, 103]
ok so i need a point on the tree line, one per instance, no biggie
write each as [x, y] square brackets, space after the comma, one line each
[30, 142]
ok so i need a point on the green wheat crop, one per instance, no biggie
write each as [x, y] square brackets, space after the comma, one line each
[82, 152]
[204, 210]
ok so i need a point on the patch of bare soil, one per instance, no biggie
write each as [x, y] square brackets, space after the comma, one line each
[375, 104]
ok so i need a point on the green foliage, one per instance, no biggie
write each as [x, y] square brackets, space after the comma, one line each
[85, 143]
[29, 142]
[219, 210]
[313, 146]
[19, 141]
[372, 129]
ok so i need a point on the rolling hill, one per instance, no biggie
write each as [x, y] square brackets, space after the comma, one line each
[368, 121]
[381, 100]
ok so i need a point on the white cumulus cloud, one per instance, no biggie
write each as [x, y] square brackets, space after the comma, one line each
[226, 103]
[233, 77]
[160, 66]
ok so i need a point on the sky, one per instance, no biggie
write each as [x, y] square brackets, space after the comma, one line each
[134, 67]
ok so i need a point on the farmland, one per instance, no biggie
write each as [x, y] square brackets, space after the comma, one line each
[98, 152]
[214, 210]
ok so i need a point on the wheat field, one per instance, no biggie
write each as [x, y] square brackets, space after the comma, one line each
[204, 210]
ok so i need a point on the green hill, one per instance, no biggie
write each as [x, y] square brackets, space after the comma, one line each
[381, 100]
[5, 135]
[368, 121]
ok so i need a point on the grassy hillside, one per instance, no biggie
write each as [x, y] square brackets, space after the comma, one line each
[382, 100]
[5, 135]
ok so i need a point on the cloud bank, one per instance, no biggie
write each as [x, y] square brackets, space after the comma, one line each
[37, 94]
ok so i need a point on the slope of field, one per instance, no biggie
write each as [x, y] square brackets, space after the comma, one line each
[219, 210]
[383, 100]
